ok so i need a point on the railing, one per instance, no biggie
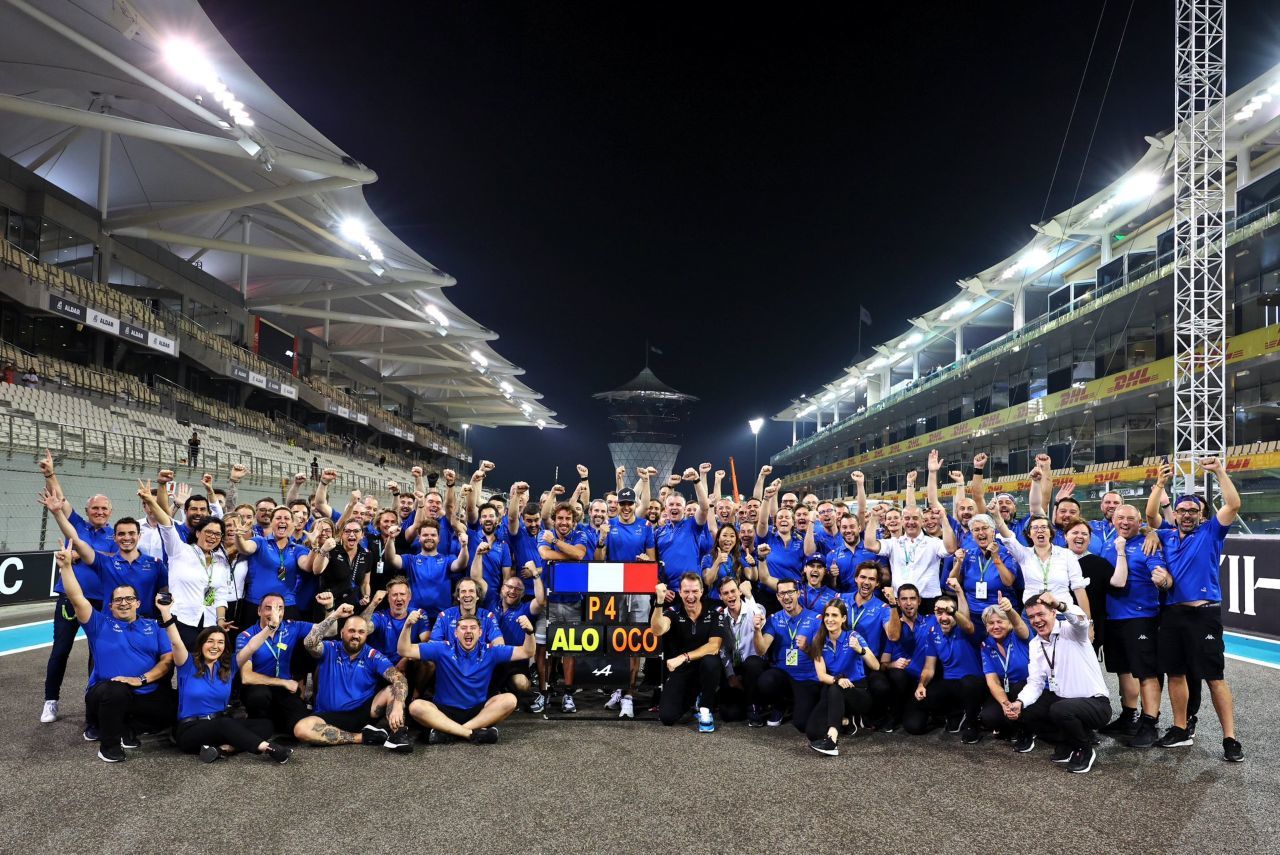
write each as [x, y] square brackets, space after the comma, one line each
[1140, 277]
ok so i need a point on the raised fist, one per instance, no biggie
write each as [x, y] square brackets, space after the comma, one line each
[980, 460]
[300, 479]
[582, 471]
[766, 470]
[238, 471]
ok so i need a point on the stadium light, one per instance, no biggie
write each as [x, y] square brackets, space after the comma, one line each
[189, 61]
[354, 231]
[755, 425]
[541, 424]
[910, 341]
[506, 387]
[479, 358]
[437, 315]
[1137, 187]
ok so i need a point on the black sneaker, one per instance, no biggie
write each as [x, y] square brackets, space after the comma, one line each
[209, 753]
[1124, 725]
[825, 746]
[485, 736]
[1174, 737]
[399, 741]
[1146, 734]
[1232, 751]
[1061, 754]
[1191, 726]
[890, 725]
[279, 753]
[110, 754]
[91, 733]
[1082, 760]
[851, 729]
[130, 740]
[435, 737]
[955, 721]
[754, 719]
[1025, 743]
[372, 735]
[971, 736]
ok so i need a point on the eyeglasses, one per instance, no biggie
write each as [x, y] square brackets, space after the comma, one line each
[351, 531]
[122, 601]
[1189, 511]
[790, 593]
[944, 611]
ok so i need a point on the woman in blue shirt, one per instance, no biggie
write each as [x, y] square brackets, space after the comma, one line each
[841, 659]
[1005, 660]
[204, 688]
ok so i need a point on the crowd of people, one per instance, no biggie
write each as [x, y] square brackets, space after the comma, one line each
[237, 627]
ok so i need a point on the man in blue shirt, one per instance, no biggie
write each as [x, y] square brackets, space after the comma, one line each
[428, 571]
[903, 658]
[463, 672]
[562, 542]
[514, 677]
[524, 529]
[786, 636]
[959, 693]
[624, 538]
[131, 655]
[491, 551]
[350, 699]
[268, 688]
[678, 538]
[1191, 645]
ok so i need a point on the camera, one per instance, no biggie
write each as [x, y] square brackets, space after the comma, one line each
[164, 598]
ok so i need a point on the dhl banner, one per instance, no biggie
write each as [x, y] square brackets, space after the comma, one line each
[1250, 345]
[1118, 475]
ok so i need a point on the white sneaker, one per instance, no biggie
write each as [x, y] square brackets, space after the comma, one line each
[49, 713]
[614, 699]
[628, 708]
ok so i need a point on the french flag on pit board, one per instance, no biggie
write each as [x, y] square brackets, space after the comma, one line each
[604, 577]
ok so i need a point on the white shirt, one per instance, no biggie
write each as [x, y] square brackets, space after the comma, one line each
[190, 576]
[1075, 671]
[149, 542]
[1060, 575]
[915, 561]
[744, 633]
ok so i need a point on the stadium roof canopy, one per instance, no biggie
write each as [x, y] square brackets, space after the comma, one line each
[1082, 236]
[194, 140]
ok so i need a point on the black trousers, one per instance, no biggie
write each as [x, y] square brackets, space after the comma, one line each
[750, 670]
[65, 627]
[992, 715]
[775, 687]
[700, 677]
[901, 684]
[881, 691]
[241, 734]
[116, 707]
[276, 704]
[945, 697]
[837, 704]
[1066, 721]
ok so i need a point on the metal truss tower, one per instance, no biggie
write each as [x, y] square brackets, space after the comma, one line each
[1199, 232]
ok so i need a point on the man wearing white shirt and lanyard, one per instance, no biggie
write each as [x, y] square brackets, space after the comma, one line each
[914, 556]
[1045, 567]
[1065, 691]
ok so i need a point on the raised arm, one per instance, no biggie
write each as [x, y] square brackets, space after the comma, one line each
[963, 620]
[1152, 511]
[644, 490]
[51, 479]
[71, 585]
[161, 515]
[757, 492]
[584, 485]
[477, 484]
[314, 642]
[405, 646]
[459, 562]
[860, 487]
[180, 654]
[931, 480]
[909, 498]
[658, 620]
[56, 504]
[515, 507]
[1230, 495]
[977, 487]
[768, 508]
[327, 477]
[246, 653]
[477, 568]
[294, 488]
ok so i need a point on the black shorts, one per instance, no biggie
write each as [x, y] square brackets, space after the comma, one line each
[1130, 647]
[352, 721]
[502, 674]
[461, 716]
[1191, 641]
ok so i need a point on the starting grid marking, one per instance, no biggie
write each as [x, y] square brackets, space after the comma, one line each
[23, 637]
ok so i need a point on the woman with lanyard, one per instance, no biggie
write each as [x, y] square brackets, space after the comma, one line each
[204, 688]
[199, 576]
[346, 575]
[275, 560]
[322, 541]
[842, 660]
[1005, 657]
[986, 573]
[725, 562]
[1045, 567]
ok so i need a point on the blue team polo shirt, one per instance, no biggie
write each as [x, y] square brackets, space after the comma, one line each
[101, 540]
[786, 558]
[1013, 666]
[207, 695]
[1193, 561]
[840, 659]
[789, 631]
[509, 623]
[979, 568]
[462, 678]
[1103, 537]
[428, 577]
[145, 574]
[1139, 598]
[264, 570]
[954, 651]
[494, 560]
[524, 548]
[625, 541]
[679, 549]
[124, 649]
[385, 635]
[825, 542]
[868, 619]
[447, 622]
[909, 644]
[274, 656]
[347, 684]
[847, 560]
[813, 599]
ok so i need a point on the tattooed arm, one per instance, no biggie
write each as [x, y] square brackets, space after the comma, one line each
[399, 691]
[314, 642]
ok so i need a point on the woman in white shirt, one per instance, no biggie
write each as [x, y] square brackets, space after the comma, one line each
[199, 576]
[1045, 567]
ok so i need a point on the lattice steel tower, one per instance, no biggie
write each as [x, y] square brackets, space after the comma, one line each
[647, 415]
[1199, 237]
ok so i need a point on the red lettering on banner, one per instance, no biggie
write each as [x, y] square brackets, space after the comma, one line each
[1072, 396]
[989, 421]
[1238, 463]
[1233, 355]
[1131, 379]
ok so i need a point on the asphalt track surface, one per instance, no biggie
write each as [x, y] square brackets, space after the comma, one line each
[606, 786]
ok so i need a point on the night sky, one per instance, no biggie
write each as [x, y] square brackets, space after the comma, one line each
[730, 187]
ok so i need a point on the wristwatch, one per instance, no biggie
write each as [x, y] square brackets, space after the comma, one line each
[143, 678]
[1062, 607]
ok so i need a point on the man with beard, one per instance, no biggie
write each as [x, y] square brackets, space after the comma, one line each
[903, 657]
[562, 542]
[959, 693]
[511, 608]
[428, 572]
[268, 688]
[843, 561]
[627, 539]
[678, 537]
[793, 674]
[495, 558]
[384, 633]
[349, 700]
[467, 593]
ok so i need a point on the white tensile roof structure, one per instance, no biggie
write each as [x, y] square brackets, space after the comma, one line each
[194, 142]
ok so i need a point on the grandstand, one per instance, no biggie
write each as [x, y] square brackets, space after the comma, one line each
[175, 257]
[1066, 348]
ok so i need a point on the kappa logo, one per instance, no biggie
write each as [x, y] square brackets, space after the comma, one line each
[1209, 637]
[1142, 638]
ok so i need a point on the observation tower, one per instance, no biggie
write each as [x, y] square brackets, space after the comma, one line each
[647, 416]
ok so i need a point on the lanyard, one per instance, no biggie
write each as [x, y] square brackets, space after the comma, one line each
[207, 559]
[280, 552]
[982, 568]
[910, 553]
[1004, 660]
[793, 631]
[272, 649]
[1050, 655]
[857, 616]
[1045, 566]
